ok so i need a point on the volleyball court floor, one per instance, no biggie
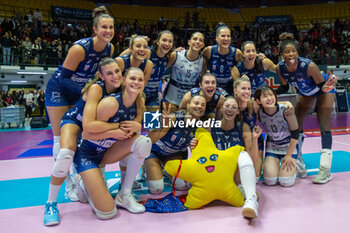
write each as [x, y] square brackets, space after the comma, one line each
[26, 162]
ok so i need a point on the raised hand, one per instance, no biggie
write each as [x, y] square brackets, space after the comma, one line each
[166, 114]
[330, 84]
[256, 131]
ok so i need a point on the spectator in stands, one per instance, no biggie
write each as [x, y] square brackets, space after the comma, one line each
[36, 31]
[41, 102]
[55, 32]
[13, 25]
[3, 98]
[20, 97]
[37, 16]
[14, 96]
[5, 26]
[14, 50]
[333, 56]
[29, 18]
[53, 53]
[26, 50]
[36, 51]
[29, 98]
[6, 49]
[8, 98]
[26, 32]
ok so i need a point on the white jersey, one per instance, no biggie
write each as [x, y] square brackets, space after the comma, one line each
[183, 77]
[277, 130]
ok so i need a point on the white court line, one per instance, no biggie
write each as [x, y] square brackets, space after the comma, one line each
[313, 170]
[342, 143]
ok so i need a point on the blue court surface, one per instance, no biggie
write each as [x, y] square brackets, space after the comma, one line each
[37, 152]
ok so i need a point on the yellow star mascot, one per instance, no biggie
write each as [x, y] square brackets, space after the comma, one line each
[210, 172]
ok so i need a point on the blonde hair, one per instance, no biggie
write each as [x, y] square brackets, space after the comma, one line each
[105, 61]
[238, 82]
[140, 99]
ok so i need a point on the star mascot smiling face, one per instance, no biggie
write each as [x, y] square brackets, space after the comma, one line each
[210, 172]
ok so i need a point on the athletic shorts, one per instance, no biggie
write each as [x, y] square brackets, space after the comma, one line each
[84, 161]
[165, 158]
[56, 96]
[294, 156]
[68, 119]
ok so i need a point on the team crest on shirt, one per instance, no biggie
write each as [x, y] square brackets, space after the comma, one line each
[86, 67]
[173, 138]
[219, 146]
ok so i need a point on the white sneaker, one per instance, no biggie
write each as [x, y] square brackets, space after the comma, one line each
[129, 202]
[302, 172]
[323, 176]
[80, 192]
[71, 193]
[250, 208]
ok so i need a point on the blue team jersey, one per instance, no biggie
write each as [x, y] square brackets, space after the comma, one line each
[249, 119]
[211, 105]
[75, 114]
[88, 67]
[58, 94]
[256, 80]
[127, 65]
[101, 145]
[221, 65]
[176, 140]
[225, 139]
[159, 66]
[299, 79]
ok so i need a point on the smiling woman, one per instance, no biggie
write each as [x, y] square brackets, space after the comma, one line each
[137, 57]
[65, 87]
[186, 66]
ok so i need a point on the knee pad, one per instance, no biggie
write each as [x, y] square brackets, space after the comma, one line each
[286, 181]
[155, 186]
[244, 160]
[106, 215]
[270, 181]
[101, 214]
[56, 146]
[141, 148]
[63, 162]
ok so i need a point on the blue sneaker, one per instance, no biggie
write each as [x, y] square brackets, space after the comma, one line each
[51, 215]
